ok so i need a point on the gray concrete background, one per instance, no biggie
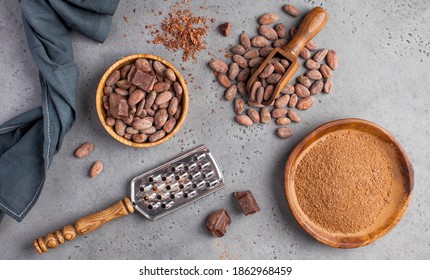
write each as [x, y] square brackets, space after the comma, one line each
[383, 77]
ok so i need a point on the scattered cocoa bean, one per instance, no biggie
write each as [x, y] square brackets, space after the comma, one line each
[84, 150]
[268, 32]
[260, 95]
[293, 100]
[259, 42]
[326, 71]
[283, 121]
[328, 86]
[253, 115]
[279, 68]
[268, 18]
[311, 45]
[218, 66]
[255, 62]
[265, 52]
[291, 10]
[268, 92]
[244, 120]
[284, 132]
[279, 113]
[265, 116]
[251, 54]
[241, 88]
[240, 60]
[243, 74]
[332, 59]
[267, 71]
[281, 30]
[288, 89]
[280, 43]
[230, 93]
[314, 74]
[293, 116]
[305, 53]
[312, 64]
[223, 80]
[96, 169]
[305, 103]
[320, 55]
[245, 41]
[316, 87]
[282, 101]
[301, 91]
[304, 81]
[233, 71]
[274, 78]
[239, 106]
[238, 49]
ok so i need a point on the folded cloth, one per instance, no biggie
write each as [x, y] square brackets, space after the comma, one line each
[29, 141]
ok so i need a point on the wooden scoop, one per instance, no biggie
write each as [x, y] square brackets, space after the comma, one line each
[313, 22]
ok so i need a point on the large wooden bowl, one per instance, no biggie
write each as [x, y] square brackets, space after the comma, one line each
[390, 216]
[101, 112]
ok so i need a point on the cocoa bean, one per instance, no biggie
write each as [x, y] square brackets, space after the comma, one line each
[285, 63]
[131, 130]
[328, 86]
[314, 74]
[233, 71]
[143, 64]
[160, 87]
[304, 81]
[301, 91]
[267, 71]
[243, 74]
[320, 55]
[265, 116]
[120, 127]
[305, 53]
[110, 122]
[136, 97]
[122, 92]
[142, 123]
[253, 115]
[223, 80]
[283, 121]
[96, 169]
[265, 51]
[148, 131]
[284, 132]
[241, 88]
[128, 120]
[218, 66]
[281, 30]
[268, 18]
[282, 101]
[279, 68]
[312, 64]
[288, 89]
[251, 54]
[163, 97]
[169, 74]
[268, 32]
[238, 49]
[239, 106]
[113, 78]
[139, 138]
[316, 87]
[253, 93]
[305, 103]
[132, 110]
[240, 60]
[255, 62]
[159, 68]
[84, 150]
[245, 41]
[279, 113]
[326, 71]
[150, 98]
[274, 78]
[169, 125]
[293, 116]
[230, 93]
[268, 92]
[259, 42]
[293, 100]
[124, 71]
[173, 106]
[311, 45]
[178, 88]
[243, 120]
[280, 43]
[260, 95]
[160, 118]
[107, 91]
[332, 59]
[291, 10]
[127, 136]
[124, 84]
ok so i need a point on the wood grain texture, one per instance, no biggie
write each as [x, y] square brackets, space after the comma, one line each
[102, 113]
[83, 226]
[387, 222]
[310, 26]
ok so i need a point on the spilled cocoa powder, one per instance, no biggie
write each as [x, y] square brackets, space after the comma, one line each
[344, 181]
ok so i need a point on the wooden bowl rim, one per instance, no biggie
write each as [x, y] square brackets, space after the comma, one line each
[101, 111]
[408, 174]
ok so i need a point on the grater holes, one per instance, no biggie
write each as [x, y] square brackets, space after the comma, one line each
[195, 158]
[142, 189]
[185, 195]
[190, 177]
[208, 185]
[168, 187]
[172, 196]
[186, 168]
[163, 205]
[181, 186]
[163, 178]
[194, 186]
[150, 207]
[150, 179]
[159, 197]
[177, 178]
[173, 169]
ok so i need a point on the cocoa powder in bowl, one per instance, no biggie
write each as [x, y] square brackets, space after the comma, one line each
[345, 182]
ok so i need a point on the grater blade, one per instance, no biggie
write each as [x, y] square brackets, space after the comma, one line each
[176, 183]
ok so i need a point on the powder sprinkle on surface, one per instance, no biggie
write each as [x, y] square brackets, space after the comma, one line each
[344, 181]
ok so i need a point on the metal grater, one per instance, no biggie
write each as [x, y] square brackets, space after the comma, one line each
[176, 183]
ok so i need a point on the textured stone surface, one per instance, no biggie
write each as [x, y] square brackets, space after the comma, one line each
[382, 77]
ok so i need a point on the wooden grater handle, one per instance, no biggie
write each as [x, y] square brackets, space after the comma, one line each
[83, 226]
[310, 26]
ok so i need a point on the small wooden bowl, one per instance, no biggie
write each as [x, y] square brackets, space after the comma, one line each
[101, 112]
[387, 220]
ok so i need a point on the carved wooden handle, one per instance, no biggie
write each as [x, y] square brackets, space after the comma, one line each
[83, 226]
[313, 22]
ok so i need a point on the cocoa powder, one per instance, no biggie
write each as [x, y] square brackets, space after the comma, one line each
[344, 181]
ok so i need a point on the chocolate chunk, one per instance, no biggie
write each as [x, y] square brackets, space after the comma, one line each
[225, 29]
[143, 80]
[218, 222]
[247, 202]
[118, 106]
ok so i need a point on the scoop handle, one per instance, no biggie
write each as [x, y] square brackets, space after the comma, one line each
[310, 26]
[83, 226]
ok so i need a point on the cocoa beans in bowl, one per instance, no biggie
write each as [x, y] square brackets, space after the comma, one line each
[142, 100]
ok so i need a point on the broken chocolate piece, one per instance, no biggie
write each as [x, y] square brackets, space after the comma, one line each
[247, 202]
[143, 80]
[118, 106]
[225, 29]
[218, 222]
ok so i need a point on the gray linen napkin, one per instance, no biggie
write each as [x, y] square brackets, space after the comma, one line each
[29, 141]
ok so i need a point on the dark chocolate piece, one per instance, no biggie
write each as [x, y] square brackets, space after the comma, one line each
[118, 106]
[218, 222]
[143, 80]
[225, 29]
[247, 202]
